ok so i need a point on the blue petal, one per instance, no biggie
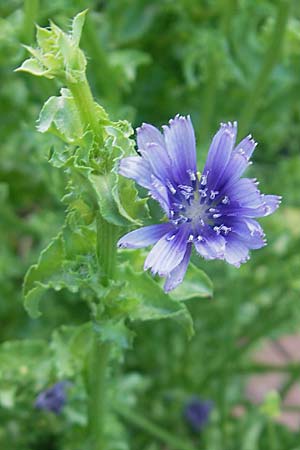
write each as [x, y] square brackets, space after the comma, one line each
[271, 203]
[147, 134]
[219, 153]
[249, 231]
[168, 252]
[236, 251]
[238, 163]
[210, 245]
[236, 166]
[181, 145]
[158, 160]
[138, 169]
[246, 146]
[246, 193]
[176, 276]
[145, 236]
[160, 193]
[246, 199]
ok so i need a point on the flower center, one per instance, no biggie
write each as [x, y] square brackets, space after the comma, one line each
[196, 211]
[198, 205]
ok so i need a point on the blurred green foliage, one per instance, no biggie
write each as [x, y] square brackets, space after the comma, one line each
[217, 60]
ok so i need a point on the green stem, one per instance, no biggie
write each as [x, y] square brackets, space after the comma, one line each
[270, 59]
[31, 8]
[87, 107]
[162, 435]
[98, 358]
[96, 387]
[107, 235]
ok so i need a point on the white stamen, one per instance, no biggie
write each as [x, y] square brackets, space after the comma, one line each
[178, 205]
[184, 187]
[170, 238]
[217, 230]
[225, 200]
[191, 175]
[204, 179]
[213, 194]
[171, 187]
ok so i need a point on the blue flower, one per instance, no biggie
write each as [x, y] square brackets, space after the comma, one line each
[215, 211]
[197, 413]
[53, 399]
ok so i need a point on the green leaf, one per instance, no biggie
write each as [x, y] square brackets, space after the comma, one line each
[60, 115]
[196, 284]
[129, 204]
[150, 302]
[43, 37]
[109, 208]
[32, 66]
[77, 26]
[50, 262]
[69, 346]
[117, 196]
[115, 331]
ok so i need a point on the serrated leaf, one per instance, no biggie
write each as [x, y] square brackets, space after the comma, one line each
[151, 302]
[61, 114]
[115, 331]
[77, 26]
[43, 37]
[69, 345]
[50, 261]
[32, 66]
[109, 208]
[196, 284]
[130, 205]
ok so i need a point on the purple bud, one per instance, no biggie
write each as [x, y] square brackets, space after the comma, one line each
[53, 399]
[197, 413]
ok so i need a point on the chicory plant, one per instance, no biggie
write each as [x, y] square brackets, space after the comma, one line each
[211, 210]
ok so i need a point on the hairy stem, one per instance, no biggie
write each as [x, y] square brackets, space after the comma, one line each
[161, 434]
[97, 388]
[107, 234]
[87, 107]
[98, 359]
[270, 60]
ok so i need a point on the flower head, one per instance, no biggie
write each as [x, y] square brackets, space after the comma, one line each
[53, 399]
[214, 211]
[197, 413]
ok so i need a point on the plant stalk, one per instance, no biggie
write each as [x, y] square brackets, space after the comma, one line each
[87, 107]
[98, 358]
[97, 390]
[107, 235]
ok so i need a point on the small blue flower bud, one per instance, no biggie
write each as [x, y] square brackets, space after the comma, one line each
[53, 399]
[197, 413]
